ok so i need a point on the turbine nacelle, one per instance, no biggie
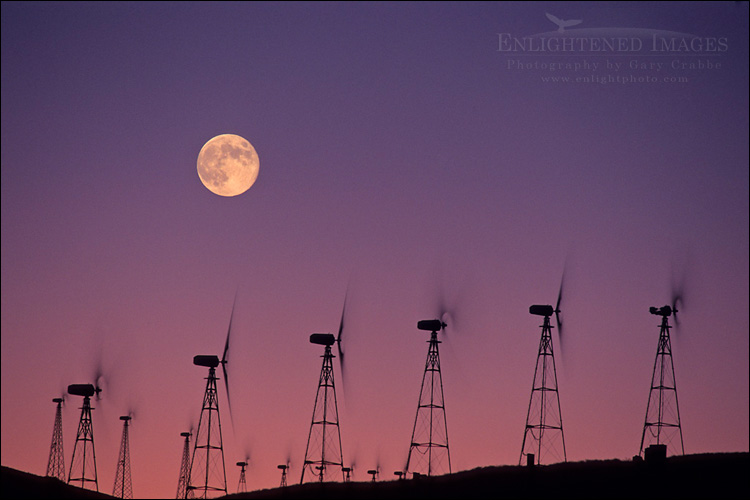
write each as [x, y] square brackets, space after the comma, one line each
[539, 310]
[431, 325]
[206, 360]
[665, 311]
[326, 339]
[85, 390]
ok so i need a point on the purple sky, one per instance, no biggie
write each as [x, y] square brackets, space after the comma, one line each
[399, 149]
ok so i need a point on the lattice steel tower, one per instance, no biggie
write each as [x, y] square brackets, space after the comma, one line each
[323, 449]
[429, 453]
[543, 435]
[123, 483]
[208, 475]
[284, 468]
[56, 462]
[83, 463]
[184, 467]
[662, 423]
[207, 472]
[242, 485]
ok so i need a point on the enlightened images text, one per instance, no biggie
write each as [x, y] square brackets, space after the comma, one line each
[702, 45]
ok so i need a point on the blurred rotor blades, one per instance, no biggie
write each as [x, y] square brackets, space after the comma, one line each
[557, 309]
[225, 359]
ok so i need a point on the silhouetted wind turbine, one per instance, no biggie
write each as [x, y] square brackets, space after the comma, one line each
[206, 477]
[323, 448]
[543, 434]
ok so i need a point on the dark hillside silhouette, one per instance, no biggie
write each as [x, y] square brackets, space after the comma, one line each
[719, 475]
[694, 476]
[17, 484]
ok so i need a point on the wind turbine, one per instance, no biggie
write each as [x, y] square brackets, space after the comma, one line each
[56, 462]
[543, 435]
[123, 487]
[323, 449]
[182, 482]
[374, 473]
[662, 425]
[242, 484]
[208, 471]
[83, 463]
[429, 453]
[284, 468]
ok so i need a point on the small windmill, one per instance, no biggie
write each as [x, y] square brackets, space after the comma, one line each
[123, 482]
[184, 466]
[207, 469]
[56, 462]
[347, 474]
[662, 425]
[283, 468]
[429, 453]
[83, 463]
[323, 448]
[242, 484]
[543, 434]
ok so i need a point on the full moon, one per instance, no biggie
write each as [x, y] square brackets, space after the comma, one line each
[228, 165]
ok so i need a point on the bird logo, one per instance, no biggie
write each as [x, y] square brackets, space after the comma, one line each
[561, 25]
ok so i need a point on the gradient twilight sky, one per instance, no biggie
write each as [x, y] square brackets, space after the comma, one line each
[400, 151]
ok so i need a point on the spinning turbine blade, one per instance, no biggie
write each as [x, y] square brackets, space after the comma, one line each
[224, 360]
[229, 331]
[442, 303]
[339, 337]
[63, 393]
[445, 309]
[98, 378]
[677, 300]
[679, 275]
[557, 310]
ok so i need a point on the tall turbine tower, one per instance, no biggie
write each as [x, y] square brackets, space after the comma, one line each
[662, 425]
[429, 453]
[323, 448]
[184, 467]
[543, 435]
[123, 483]
[56, 462]
[208, 476]
[83, 463]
